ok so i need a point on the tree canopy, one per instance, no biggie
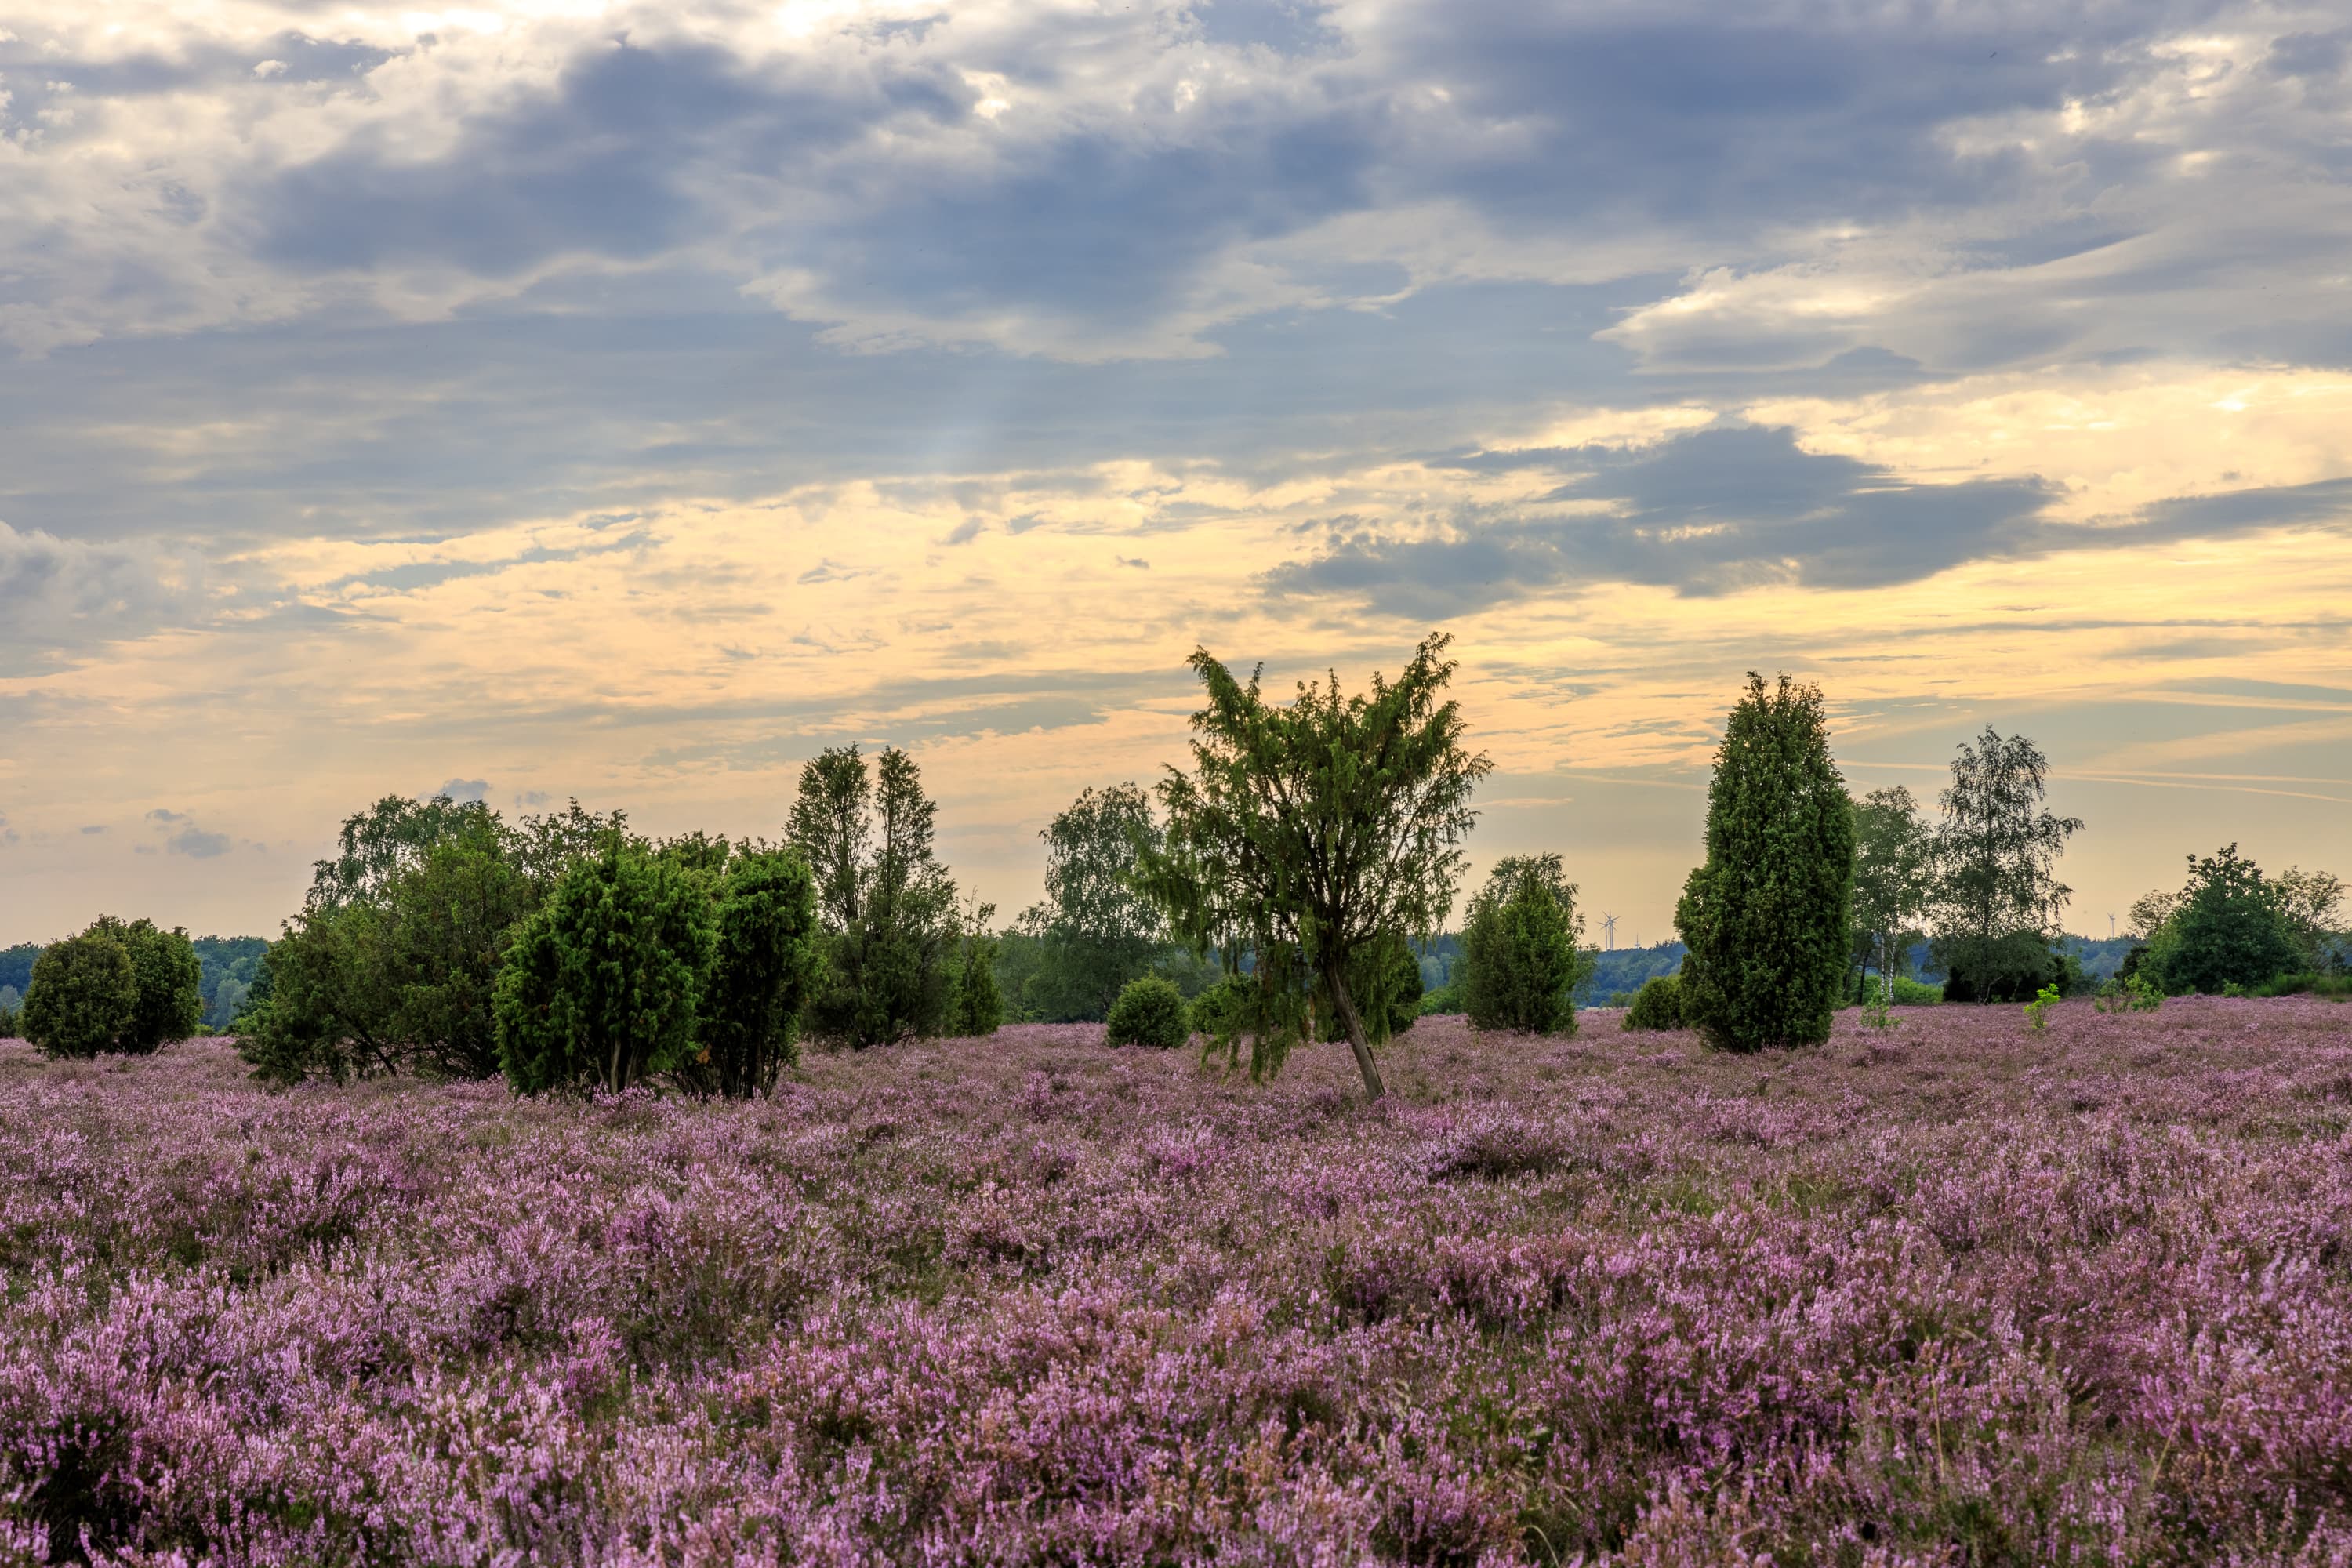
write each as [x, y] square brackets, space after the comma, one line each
[1306, 832]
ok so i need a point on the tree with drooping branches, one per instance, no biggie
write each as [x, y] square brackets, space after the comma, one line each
[1306, 834]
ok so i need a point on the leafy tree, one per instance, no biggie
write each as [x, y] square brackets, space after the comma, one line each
[2308, 901]
[1658, 1005]
[1893, 866]
[1097, 930]
[326, 1003]
[1765, 918]
[2227, 931]
[1149, 1012]
[84, 994]
[1520, 962]
[886, 903]
[444, 929]
[378, 844]
[767, 961]
[976, 1008]
[171, 1001]
[1999, 900]
[1310, 832]
[602, 985]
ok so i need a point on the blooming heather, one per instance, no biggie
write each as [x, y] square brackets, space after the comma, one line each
[1941, 1294]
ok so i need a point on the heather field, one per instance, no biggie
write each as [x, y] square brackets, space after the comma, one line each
[1951, 1293]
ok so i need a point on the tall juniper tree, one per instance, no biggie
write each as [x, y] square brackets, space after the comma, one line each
[1310, 832]
[1765, 919]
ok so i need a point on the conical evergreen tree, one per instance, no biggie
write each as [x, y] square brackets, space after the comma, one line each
[1765, 919]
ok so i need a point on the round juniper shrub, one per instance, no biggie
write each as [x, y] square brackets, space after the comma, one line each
[85, 993]
[171, 1001]
[1149, 1012]
[1657, 1005]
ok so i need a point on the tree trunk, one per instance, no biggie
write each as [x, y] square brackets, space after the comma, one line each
[1353, 1022]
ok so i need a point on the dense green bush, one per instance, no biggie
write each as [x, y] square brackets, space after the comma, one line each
[602, 985]
[1910, 992]
[1658, 1005]
[765, 962]
[79, 1003]
[12, 1006]
[2228, 930]
[1446, 998]
[1765, 919]
[85, 990]
[1149, 1012]
[1520, 963]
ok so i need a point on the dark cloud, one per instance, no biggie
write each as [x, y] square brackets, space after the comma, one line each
[1708, 512]
[465, 789]
[197, 844]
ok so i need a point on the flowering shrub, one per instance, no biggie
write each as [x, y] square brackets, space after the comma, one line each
[1958, 1296]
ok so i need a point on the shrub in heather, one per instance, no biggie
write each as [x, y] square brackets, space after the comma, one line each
[1765, 919]
[1223, 1008]
[171, 1001]
[765, 962]
[84, 994]
[602, 985]
[1658, 1005]
[1519, 958]
[1149, 1012]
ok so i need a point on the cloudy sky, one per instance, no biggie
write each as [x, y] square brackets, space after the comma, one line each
[553, 398]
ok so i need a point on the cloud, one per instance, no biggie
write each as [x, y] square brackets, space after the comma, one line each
[182, 837]
[464, 789]
[61, 596]
[1707, 513]
[161, 814]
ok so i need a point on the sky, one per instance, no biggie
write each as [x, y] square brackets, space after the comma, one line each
[556, 398]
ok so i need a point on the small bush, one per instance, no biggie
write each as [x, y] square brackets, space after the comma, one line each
[1446, 998]
[1658, 1005]
[1223, 1008]
[748, 1025]
[1149, 1012]
[975, 1004]
[1910, 992]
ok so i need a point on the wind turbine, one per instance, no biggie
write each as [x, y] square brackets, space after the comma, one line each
[1609, 930]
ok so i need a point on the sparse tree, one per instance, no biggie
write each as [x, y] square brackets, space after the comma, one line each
[1999, 899]
[1096, 931]
[1307, 833]
[1765, 918]
[1894, 864]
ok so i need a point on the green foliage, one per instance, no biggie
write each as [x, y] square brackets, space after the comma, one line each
[79, 1006]
[1520, 962]
[445, 928]
[393, 962]
[1385, 980]
[887, 905]
[230, 965]
[85, 992]
[766, 959]
[1657, 1005]
[2129, 994]
[2011, 967]
[1307, 833]
[12, 1006]
[602, 985]
[1998, 897]
[1095, 930]
[1894, 865]
[16, 967]
[975, 1006]
[1444, 999]
[2037, 1012]
[1765, 919]
[1224, 1008]
[1910, 992]
[2310, 904]
[2228, 930]
[1149, 1012]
